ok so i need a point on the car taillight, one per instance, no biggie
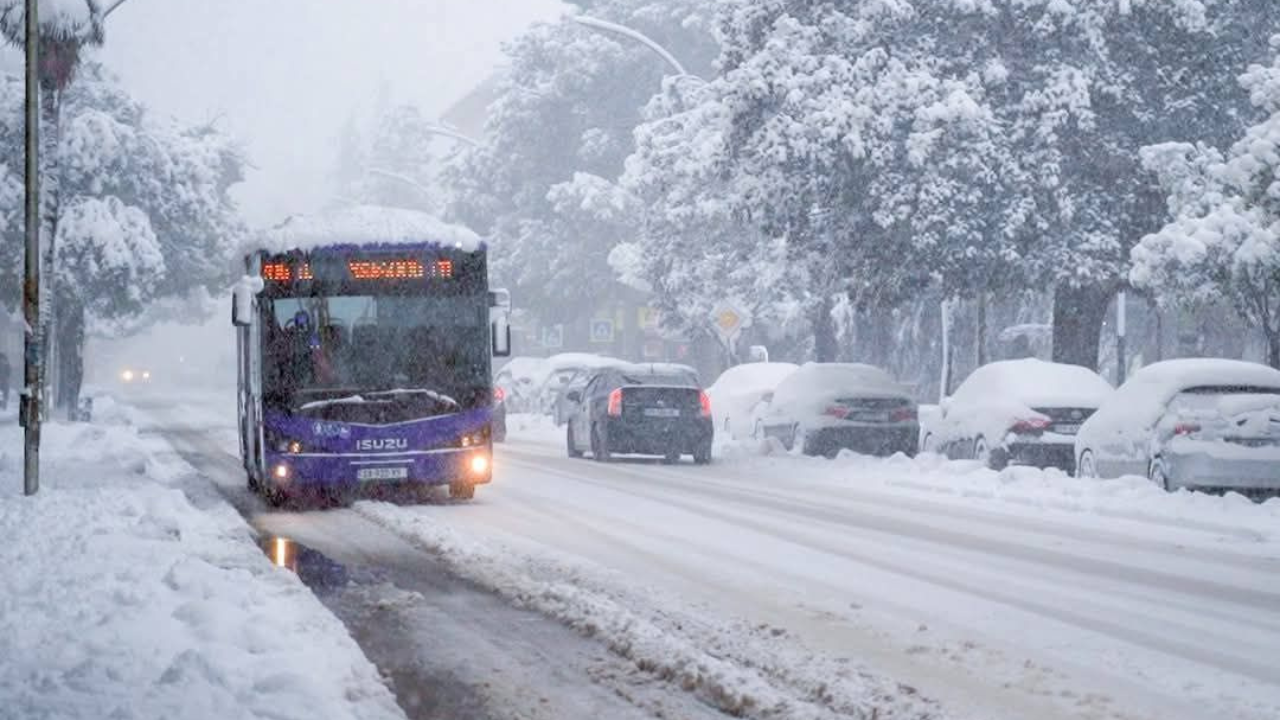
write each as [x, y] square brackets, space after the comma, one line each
[837, 411]
[903, 414]
[1032, 425]
[705, 399]
[1186, 429]
[615, 402]
[499, 394]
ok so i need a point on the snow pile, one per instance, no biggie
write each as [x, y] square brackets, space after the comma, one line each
[131, 591]
[535, 429]
[366, 224]
[751, 671]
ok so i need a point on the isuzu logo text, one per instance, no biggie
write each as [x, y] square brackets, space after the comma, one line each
[382, 444]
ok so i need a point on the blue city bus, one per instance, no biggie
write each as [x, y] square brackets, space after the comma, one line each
[367, 364]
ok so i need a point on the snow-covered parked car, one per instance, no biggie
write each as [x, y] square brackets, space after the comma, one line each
[521, 380]
[568, 372]
[1192, 423]
[741, 393]
[823, 408]
[1023, 412]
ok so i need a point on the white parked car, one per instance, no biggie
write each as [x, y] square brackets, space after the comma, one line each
[823, 408]
[741, 393]
[521, 380]
[568, 372]
[1024, 412]
[1193, 423]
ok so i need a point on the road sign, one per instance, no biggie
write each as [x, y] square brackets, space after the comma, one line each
[728, 319]
[648, 318]
[601, 330]
[553, 336]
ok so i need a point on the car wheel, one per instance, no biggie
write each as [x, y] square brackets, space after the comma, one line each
[793, 438]
[600, 446]
[1158, 476]
[996, 459]
[927, 444]
[702, 456]
[1086, 466]
[462, 491]
[571, 445]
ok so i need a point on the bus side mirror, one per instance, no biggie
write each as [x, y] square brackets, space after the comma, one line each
[501, 331]
[242, 300]
[241, 306]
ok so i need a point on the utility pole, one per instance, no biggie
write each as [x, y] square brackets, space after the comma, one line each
[31, 376]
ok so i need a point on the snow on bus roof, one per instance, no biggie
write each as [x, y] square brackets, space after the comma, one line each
[365, 224]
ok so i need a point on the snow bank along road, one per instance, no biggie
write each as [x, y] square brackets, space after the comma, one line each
[790, 587]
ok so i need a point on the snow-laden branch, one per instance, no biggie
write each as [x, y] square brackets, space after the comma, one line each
[636, 35]
[112, 8]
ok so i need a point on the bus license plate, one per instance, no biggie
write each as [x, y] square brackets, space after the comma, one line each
[662, 412]
[383, 473]
[1066, 429]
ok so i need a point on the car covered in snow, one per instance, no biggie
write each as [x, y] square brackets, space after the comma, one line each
[1021, 412]
[1191, 423]
[568, 372]
[657, 409]
[823, 408]
[741, 393]
[521, 380]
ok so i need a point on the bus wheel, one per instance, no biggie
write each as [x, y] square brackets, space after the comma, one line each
[462, 491]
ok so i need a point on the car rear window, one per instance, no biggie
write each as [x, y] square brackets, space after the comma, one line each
[654, 379]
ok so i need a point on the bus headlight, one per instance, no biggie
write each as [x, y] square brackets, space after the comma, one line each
[479, 464]
[282, 472]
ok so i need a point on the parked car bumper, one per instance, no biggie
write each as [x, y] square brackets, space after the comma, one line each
[865, 439]
[646, 436]
[1205, 471]
[1043, 454]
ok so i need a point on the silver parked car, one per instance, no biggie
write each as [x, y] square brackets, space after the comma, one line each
[1194, 423]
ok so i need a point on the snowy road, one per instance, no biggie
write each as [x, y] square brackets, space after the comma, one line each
[767, 585]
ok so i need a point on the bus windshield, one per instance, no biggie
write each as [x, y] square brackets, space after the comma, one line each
[342, 350]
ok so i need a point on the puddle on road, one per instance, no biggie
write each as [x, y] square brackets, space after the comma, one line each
[316, 570]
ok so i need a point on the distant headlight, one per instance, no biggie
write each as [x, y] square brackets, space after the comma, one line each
[127, 376]
[146, 374]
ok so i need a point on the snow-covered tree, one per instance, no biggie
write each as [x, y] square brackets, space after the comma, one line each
[557, 137]
[1224, 243]
[145, 210]
[397, 168]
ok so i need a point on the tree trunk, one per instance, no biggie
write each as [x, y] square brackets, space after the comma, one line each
[1078, 314]
[825, 345]
[70, 339]
[1273, 346]
[50, 197]
[981, 340]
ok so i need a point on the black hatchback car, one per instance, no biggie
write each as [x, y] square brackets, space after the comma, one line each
[641, 410]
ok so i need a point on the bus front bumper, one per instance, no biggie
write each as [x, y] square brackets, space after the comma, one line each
[336, 471]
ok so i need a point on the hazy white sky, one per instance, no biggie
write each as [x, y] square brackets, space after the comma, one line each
[283, 75]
